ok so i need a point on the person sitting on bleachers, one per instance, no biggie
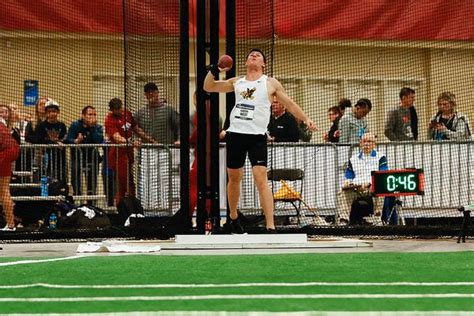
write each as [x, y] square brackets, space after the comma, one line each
[358, 176]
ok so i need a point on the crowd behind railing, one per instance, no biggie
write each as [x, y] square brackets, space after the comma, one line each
[98, 163]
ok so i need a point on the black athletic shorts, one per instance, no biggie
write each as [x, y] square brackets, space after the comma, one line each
[238, 145]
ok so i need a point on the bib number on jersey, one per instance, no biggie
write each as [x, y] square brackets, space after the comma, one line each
[244, 111]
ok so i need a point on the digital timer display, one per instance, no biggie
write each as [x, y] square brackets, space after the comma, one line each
[398, 182]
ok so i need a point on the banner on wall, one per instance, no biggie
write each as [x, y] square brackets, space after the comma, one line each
[30, 92]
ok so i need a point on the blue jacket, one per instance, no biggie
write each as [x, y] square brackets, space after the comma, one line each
[92, 135]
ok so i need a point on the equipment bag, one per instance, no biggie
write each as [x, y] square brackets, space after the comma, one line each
[127, 206]
[86, 217]
[361, 207]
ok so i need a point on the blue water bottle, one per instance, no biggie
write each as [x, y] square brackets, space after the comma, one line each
[53, 220]
[44, 186]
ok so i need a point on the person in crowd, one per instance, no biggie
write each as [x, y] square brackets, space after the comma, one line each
[34, 162]
[282, 126]
[402, 122]
[352, 124]
[9, 152]
[343, 104]
[334, 115]
[40, 116]
[358, 177]
[53, 132]
[119, 128]
[246, 134]
[24, 120]
[449, 124]
[157, 118]
[85, 131]
[24, 156]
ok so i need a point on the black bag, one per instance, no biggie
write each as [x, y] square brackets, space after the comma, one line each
[78, 219]
[361, 207]
[127, 206]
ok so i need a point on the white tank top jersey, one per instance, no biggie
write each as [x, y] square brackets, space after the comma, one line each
[251, 113]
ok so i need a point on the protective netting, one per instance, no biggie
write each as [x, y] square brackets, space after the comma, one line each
[81, 53]
[323, 52]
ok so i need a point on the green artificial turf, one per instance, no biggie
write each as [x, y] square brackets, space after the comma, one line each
[291, 268]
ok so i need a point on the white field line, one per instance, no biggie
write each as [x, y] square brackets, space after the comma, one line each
[230, 285]
[262, 313]
[14, 263]
[231, 297]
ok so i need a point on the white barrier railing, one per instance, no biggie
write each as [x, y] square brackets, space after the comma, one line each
[447, 167]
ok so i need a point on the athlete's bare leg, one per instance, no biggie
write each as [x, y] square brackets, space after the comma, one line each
[233, 190]
[265, 194]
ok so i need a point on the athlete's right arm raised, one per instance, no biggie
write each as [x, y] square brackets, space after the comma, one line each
[212, 85]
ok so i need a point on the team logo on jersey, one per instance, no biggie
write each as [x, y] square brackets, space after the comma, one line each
[248, 95]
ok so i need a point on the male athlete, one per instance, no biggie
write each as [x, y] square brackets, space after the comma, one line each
[249, 119]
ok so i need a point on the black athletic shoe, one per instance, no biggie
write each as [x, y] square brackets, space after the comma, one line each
[271, 231]
[235, 227]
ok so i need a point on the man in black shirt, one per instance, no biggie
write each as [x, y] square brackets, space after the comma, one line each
[282, 126]
[52, 131]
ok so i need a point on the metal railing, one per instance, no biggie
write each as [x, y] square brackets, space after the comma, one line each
[447, 168]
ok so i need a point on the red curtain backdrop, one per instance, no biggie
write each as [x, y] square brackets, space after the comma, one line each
[308, 19]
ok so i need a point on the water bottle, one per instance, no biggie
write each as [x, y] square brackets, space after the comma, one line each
[53, 220]
[44, 186]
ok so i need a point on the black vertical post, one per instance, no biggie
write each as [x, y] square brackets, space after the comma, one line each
[126, 54]
[184, 106]
[231, 51]
[201, 113]
[213, 137]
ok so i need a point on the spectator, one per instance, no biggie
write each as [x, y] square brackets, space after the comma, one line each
[52, 131]
[40, 116]
[158, 119]
[358, 176]
[85, 131]
[34, 162]
[449, 124]
[282, 126]
[120, 127]
[402, 122]
[14, 119]
[352, 124]
[24, 120]
[16, 134]
[334, 114]
[9, 151]
[343, 104]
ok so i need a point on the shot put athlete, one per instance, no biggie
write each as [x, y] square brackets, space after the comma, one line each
[249, 119]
